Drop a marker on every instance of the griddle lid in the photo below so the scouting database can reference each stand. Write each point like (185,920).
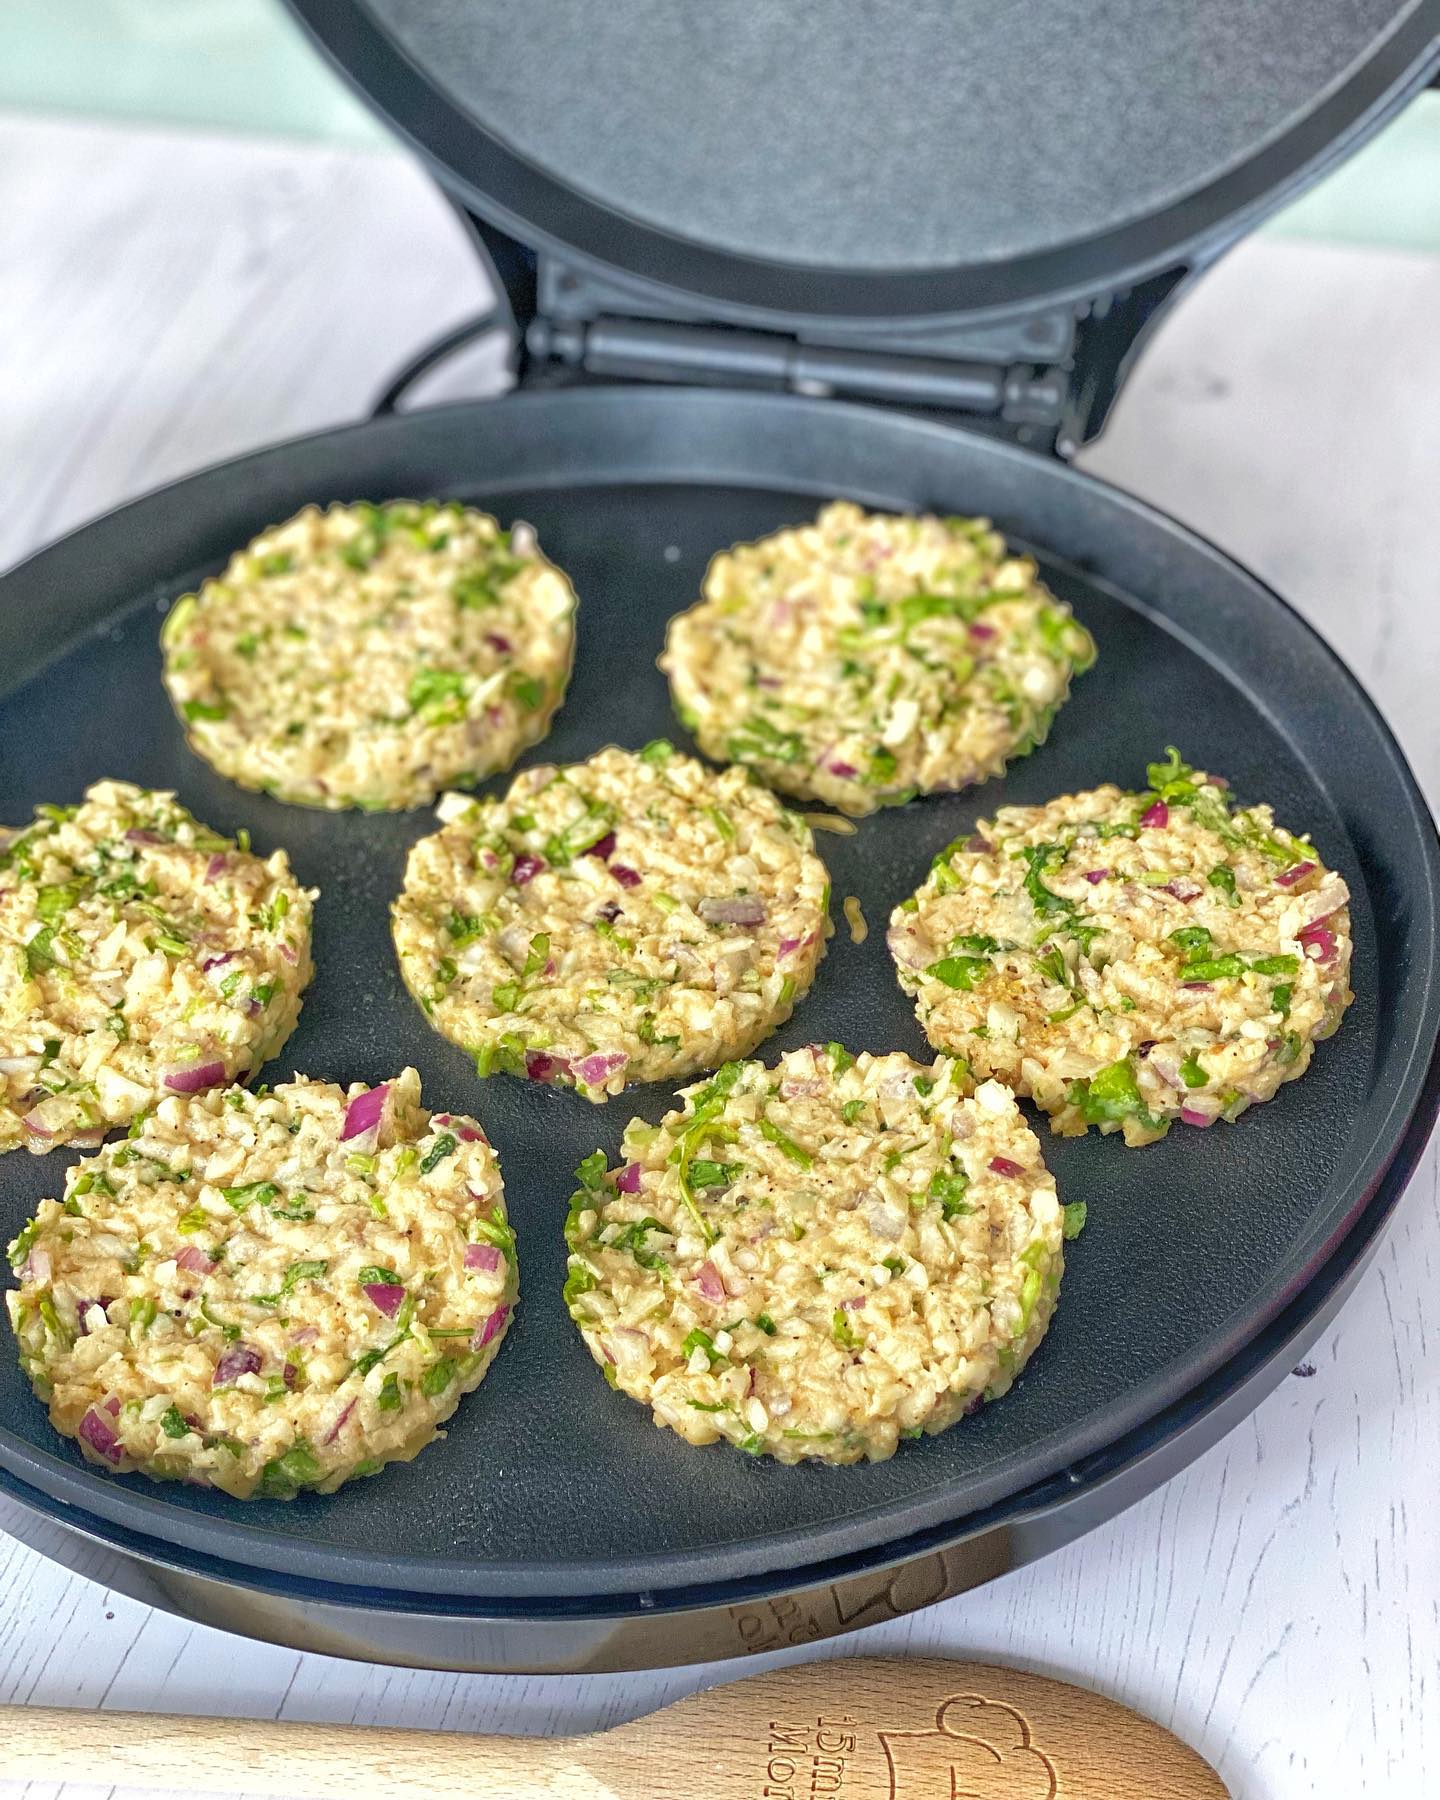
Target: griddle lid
(878,159)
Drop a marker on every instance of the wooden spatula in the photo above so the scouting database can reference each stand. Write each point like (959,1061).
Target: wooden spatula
(864,1728)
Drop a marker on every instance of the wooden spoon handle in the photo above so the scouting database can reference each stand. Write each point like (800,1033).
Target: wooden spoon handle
(328,1762)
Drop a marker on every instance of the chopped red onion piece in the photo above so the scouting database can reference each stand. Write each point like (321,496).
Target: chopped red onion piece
(144,837)
(216,866)
(307,1334)
(239,1359)
(539,1066)
(1319,944)
(1189,1116)
(628,878)
(471,1134)
(101,1439)
(787,946)
(217,962)
(609,912)
(628,1180)
(707,1279)
(364,1111)
(82,1307)
(604,848)
(498,642)
(526,868)
(193,1258)
(853,1304)
(339,1425)
(385,1296)
(1296,872)
(740,909)
(1157,816)
(982,631)
(977,845)
(482,1256)
(38,1266)
(596,1070)
(1002,1165)
(491,1326)
(290,1375)
(1196,987)
(195,1077)
(846,771)
(1183,888)
(1096,875)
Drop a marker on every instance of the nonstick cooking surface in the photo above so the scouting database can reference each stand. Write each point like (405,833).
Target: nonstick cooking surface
(547,1481)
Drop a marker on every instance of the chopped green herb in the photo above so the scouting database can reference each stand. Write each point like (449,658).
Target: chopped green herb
(253,1193)
(714,1174)
(1191,937)
(1112,1094)
(282,1478)
(786,1145)
(172,1422)
(439,694)
(949,1188)
(438,1377)
(438,1151)
(756,739)
(1213,968)
(193,710)
(1042,860)
(1275,965)
(1192,1072)
(592,1172)
(1223,877)
(702,1340)
(960,972)
(842,1331)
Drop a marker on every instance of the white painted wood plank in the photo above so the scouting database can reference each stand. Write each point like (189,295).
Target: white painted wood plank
(168,300)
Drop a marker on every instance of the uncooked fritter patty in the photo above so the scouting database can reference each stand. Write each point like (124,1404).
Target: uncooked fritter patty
(1130,959)
(265,1294)
(372,655)
(141,954)
(630,918)
(867,658)
(816,1259)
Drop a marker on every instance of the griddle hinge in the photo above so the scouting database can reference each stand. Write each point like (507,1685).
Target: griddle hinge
(1023,396)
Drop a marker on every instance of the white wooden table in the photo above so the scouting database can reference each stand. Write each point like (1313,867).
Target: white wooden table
(167,300)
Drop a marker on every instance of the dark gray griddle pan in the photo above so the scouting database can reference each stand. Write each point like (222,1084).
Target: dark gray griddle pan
(550,1489)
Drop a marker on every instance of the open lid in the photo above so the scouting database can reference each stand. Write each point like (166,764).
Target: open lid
(885,162)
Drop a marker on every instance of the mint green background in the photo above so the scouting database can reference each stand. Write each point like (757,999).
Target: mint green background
(243,65)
